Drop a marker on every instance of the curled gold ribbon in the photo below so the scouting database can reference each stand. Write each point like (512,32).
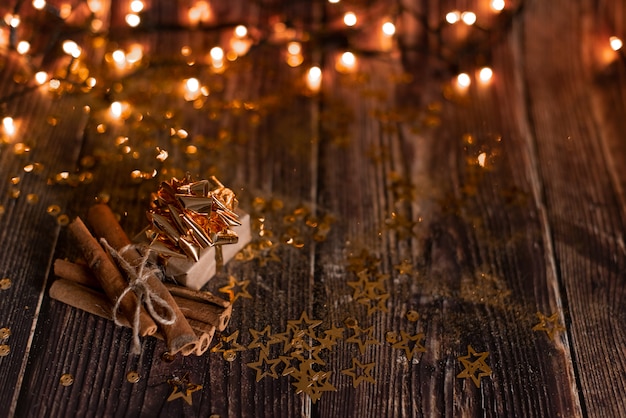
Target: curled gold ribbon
(188,216)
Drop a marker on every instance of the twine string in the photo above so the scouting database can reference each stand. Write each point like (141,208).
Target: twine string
(138,283)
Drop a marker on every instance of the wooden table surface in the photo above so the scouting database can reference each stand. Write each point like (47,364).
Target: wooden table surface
(446,251)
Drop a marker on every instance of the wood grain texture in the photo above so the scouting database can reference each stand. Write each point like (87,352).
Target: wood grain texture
(481,208)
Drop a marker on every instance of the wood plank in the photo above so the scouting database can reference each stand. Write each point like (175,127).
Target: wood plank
(582,200)
(482,209)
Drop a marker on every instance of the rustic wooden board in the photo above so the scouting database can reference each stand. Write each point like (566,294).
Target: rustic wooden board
(480,208)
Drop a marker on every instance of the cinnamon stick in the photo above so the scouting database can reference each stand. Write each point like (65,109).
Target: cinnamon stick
(204,341)
(207,313)
(84,298)
(199,295)
(76,273)
(109,277)
(179,335)
(95,302)
(193,304)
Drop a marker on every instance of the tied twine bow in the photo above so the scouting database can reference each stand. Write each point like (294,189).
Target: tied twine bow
(137,283)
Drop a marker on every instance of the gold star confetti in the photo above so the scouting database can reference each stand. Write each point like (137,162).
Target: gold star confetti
(236,289)
(360,372)
(404,268)
(182,388)
(363,261)
(377,303)
(363,337)
(311,382)
(228,346)
(264,366)
(550,324)
(401,187)
(299,333)
(330,337)
(410,344)
(403,226)
(474,362)
(263,339)
(365,287)
(303,325)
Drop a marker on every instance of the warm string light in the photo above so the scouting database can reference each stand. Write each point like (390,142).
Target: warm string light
(71,48)
(463,81)
(41,77)
(616,43)
(349,19)
(217,58)
(388,29)
(294,54)
(39,4)
(498,5)
(8,126)
(200,13)
(22,47)
(455,16)
(192,89)
(314,79)
(485,75)
(239,44)
(346,62)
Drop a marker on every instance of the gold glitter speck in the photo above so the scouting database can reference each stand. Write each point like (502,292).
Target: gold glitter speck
(5,283)
(351,322)
(5,333)
(4,350)
(53,210)
(412,316)
(132,377)
(63,220)
(32,198)
(20,148)
(391,337)
(66,379)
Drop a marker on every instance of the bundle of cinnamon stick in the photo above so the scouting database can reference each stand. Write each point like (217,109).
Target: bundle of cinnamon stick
(192,316)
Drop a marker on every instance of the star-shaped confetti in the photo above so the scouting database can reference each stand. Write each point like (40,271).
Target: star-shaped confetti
(363,337)
(474,366)
(312,382)
(228,346)
(550,324)
(263,339)
(299,333)
(363,261)
(403,226)
(182,388)
(330,337)
(236,289)
(303,325)
(368,285)
(264,366)
(410,344)
(376,303)
(401,187)
(404,268)
(360,372)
